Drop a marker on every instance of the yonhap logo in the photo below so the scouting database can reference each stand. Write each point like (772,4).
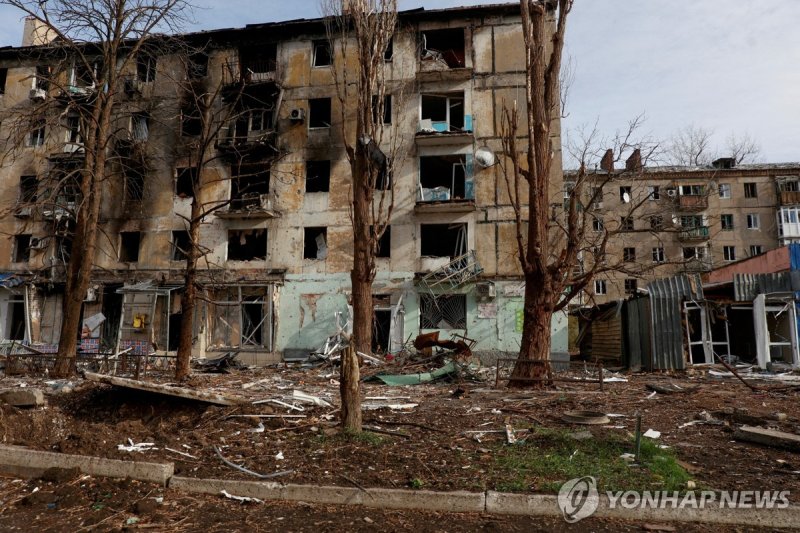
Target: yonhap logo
(578,498)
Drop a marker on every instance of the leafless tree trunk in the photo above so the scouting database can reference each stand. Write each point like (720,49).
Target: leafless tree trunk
(362,29)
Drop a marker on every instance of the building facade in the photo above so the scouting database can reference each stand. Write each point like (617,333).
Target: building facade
(278,247)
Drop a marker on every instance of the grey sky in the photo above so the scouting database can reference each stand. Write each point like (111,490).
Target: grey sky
(730,66)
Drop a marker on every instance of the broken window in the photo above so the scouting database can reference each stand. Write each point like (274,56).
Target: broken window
(73,126)
(83,75)
(694,252)
(64,237)
(751,190)
(134,184)
(241,317)
(724,190)
(319,113)
(197,65)
(42,79)
(22,250)
(385,243)
(443,240)
(15,326)
(631,284)
(181,243)
(28,186)
(318,176)
(249,185)
(387,109)
(445,178)
(445,47)
(322,53)
(656,222)
(191,121)
(443,311)
(129,242)
(625,194)
(36,135)
(247,245)
(146,67)
(249,121)
(258,60)
(756,249)
(443,113)
(629,254)
(653,192)
(3,77)
(658,255)
(597,224)
(388,54)
(315,243)
(185,182)
(140,126)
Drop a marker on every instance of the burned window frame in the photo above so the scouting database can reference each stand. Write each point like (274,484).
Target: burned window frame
(186,179)
(311,234)
(127,247)
(443,311)
(316,46)
(321,181)
(227,310)
(22,248)
(459,241)
(181,245)
(258,232)
(313,111)
(428,51)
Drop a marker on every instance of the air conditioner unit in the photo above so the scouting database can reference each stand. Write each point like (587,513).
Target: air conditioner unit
(485,291)
(37,95)
(672,192)
(297,115)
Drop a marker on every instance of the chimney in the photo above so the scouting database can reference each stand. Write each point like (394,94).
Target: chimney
(36,33)
(634,162)
(607,163)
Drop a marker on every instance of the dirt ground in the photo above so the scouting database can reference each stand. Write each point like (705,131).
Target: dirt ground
(446,436)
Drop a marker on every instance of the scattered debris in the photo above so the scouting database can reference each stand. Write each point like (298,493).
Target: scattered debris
(218,365)
(301,396)
(585,417)
(243,499)
(247,471)
(279,456)
(22,397)
(652,434)
(392,406)
(768,437)
(669,388)
(190,456)
(180,392)
(140,447)
(510,437)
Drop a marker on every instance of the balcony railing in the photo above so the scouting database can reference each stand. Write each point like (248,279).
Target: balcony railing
(692,202)
(250,72)
(699,233)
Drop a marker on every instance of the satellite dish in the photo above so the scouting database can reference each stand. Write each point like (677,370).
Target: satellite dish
(626,197)
(485,157)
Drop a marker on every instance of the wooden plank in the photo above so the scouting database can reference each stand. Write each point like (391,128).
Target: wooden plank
(768,437)
(179,392)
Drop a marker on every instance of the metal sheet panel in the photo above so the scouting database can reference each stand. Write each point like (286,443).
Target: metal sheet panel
(666,297)
(747,286)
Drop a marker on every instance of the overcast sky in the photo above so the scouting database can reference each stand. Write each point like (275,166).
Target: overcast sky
(729,66)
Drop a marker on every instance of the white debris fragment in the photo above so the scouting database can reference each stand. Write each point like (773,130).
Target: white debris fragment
(279,456)
(137,447)
(301,396)
(259,429)
(628,457)
(651,395)
(243,499)
(652,434)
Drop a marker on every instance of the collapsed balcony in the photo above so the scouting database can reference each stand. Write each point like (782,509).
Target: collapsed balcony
(443,49)
(446,184)
(250,193)
(254,65)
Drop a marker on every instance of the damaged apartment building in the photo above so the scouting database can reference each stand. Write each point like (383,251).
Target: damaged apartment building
(665,221)
(277,254)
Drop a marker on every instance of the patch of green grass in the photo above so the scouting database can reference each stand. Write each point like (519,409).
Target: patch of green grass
(549,457)
(416,483)
(364,437)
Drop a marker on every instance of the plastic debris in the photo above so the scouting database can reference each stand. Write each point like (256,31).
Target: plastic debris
(243,499)
(652,434)
(136,447)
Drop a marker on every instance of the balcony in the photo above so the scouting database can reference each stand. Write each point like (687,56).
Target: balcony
(687,202)
(789,222)
(257,144)
(249,206)
(699,233)
(790,197)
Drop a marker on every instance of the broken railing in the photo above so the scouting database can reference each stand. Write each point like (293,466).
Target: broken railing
(454,274)
(560,367)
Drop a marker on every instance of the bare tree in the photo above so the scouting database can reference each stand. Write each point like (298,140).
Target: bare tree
(742,148)
(100,40)
(362,30)
(691,146)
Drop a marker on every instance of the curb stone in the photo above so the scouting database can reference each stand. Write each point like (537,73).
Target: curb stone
(24,462)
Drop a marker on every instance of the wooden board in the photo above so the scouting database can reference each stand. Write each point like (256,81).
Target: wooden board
(179,392)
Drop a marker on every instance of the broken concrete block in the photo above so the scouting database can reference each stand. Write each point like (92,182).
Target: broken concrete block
(780,417)
(22,397)
(768,437)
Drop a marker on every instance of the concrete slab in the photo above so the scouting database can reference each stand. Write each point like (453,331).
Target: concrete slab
(22,397)
(24,462)
(156,388)
(768,437)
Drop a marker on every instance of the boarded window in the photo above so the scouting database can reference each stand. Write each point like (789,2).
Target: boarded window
(443,311)
(318,176)
(247,245)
